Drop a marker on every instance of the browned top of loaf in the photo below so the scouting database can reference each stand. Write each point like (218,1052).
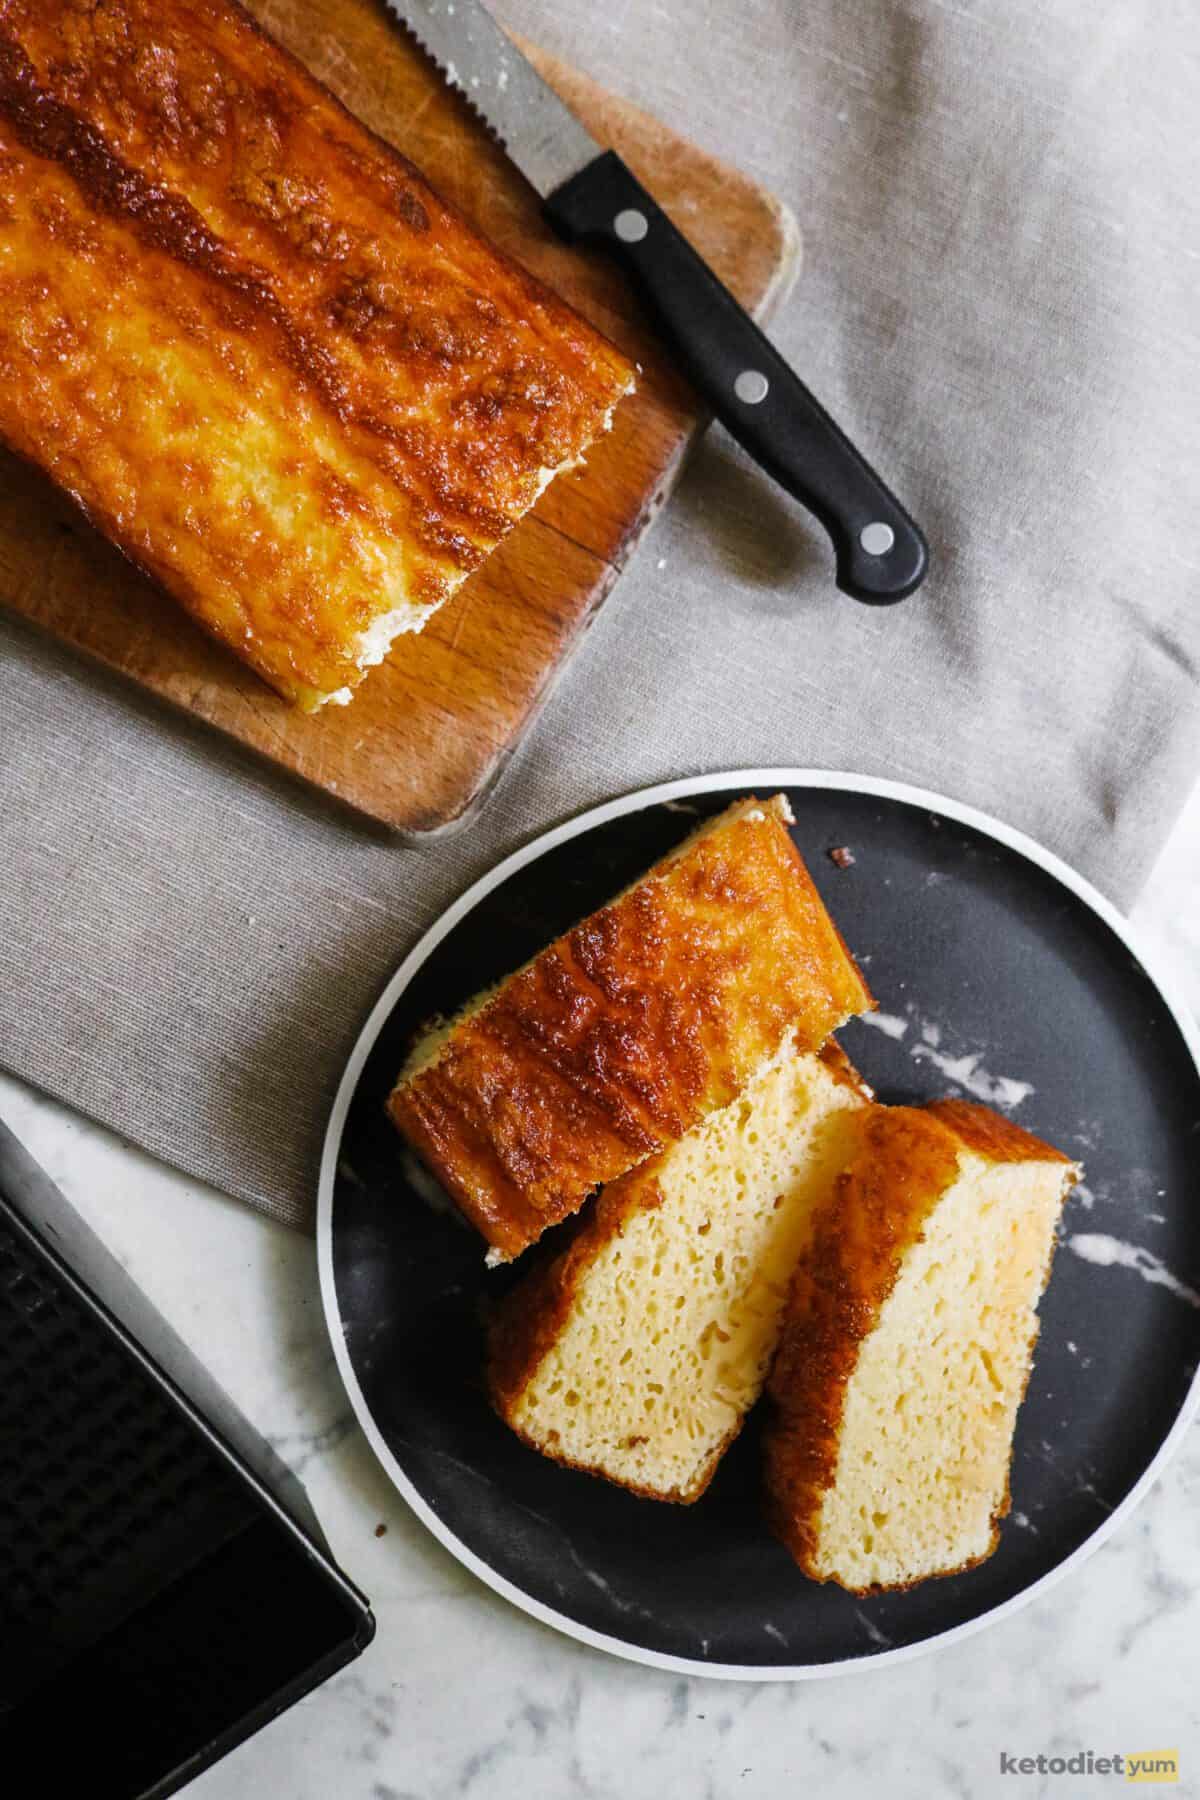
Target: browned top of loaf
(166,158)
(991,1135)
(909,1157)
(625,1032)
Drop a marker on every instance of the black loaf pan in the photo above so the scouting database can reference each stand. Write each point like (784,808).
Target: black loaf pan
(165,1589)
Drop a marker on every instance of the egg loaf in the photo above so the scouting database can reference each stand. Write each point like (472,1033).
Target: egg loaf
(623,1034)
(247,337)
(907,1346)
(635,1352)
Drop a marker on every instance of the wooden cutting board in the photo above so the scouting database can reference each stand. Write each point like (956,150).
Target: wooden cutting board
(430,728)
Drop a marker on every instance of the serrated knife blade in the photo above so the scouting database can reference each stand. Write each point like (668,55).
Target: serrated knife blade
(591,197)
(539,133)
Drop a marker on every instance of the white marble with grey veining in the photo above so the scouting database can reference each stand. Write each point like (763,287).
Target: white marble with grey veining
(462,1695)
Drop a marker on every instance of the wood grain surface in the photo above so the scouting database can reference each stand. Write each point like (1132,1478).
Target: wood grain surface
(430,728)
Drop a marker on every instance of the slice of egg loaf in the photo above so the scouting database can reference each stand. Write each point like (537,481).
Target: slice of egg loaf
(636,1351)
(907,1347)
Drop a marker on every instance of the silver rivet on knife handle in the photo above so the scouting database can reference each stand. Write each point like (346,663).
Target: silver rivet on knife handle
(631,226)
(877,539)
(752,387)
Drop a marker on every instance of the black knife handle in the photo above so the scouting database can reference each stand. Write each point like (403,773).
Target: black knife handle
(881,554)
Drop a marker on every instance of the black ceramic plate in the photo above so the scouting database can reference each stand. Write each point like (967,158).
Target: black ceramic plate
(1000,974)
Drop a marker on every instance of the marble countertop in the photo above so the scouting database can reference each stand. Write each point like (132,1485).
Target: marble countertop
(462,1695)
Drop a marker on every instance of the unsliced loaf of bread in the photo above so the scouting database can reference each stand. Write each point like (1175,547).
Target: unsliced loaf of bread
(247,338)
(628,1030)
(907,1347)
(635,1352)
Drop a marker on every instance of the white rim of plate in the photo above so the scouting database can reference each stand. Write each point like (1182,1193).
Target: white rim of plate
(747,779)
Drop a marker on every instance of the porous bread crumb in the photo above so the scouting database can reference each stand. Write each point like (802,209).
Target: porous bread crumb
(680,1276)
(924,1419)
(931,1409)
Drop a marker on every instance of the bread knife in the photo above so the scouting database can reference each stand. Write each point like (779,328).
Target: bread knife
(590,197)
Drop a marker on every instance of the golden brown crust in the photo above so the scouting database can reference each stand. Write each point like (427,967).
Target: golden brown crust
(909,1156)
(198,245)
(624,1033)
(991,1135)
(670,1496)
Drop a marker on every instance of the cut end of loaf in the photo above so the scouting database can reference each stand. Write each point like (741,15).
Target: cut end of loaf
(369,649)
(409,616)
(889,1454)
(637,1353)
